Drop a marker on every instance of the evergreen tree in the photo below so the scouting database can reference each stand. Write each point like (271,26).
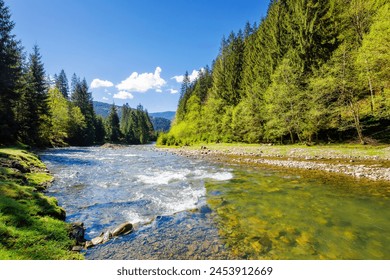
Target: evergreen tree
(74,83)
(82,98)
(33,108)
(142,125)
(311,70)
(99,129)
(184,95)
(10,73)
(113,128)
(61,82)
(127,125)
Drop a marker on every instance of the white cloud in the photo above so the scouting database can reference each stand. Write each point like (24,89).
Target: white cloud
(97,83)
(179,79)
(173,91)
(158,90)
(143,82)
(193,76)
(105,98)
(123,95)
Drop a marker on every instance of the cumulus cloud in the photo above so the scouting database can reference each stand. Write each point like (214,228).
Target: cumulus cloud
(158,90)
(123,95)
(142,82)
(173,91)
(97,83)
(193,76)
(105,98)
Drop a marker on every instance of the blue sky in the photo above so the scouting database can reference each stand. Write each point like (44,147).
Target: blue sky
(130,51)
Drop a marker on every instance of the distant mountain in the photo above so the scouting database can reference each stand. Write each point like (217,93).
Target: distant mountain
(103,109)
(161,121)
(160,124)
(166,115)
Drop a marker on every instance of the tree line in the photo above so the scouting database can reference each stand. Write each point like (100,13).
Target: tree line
(41,111)
(310,71)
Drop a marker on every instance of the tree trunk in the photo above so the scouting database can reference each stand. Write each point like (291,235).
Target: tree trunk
(355,112)
(371,88)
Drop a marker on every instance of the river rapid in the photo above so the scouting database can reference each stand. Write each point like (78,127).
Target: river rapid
(191,209)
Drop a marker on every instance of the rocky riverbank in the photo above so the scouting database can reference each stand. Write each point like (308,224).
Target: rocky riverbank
(372,164)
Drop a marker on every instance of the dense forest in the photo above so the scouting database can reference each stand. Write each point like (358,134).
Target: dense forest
(311,71)
(159,123)
(41,111)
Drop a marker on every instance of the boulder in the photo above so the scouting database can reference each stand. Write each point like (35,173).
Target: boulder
(123,229)
(77,232)
(97,240)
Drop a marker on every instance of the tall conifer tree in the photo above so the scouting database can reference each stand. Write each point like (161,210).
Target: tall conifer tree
(33,109)
(10,73)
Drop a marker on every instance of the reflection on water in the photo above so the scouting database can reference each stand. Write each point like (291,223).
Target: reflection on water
(265,215)
(245,213)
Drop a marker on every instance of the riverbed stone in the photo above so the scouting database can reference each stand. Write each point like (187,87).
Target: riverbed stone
(123,229)
(97,240)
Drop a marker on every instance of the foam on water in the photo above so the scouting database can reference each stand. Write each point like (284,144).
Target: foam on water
(164,177)
(134,184)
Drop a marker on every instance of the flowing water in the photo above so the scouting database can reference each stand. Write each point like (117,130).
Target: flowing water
(242,212)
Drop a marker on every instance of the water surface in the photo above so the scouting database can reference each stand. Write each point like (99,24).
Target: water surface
(243,212)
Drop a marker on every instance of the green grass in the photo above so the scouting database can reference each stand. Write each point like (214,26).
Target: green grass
(31,224)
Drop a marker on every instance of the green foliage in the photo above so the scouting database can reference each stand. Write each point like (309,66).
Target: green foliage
(135,125)
(32,108)
(100,131)
(113,130)
(60,118)
(311,71)
(82,98)
(10,74)
(61,83)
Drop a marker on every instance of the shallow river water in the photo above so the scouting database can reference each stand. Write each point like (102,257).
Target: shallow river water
(191,209)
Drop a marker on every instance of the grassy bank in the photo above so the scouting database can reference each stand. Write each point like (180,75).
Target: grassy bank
(31,224)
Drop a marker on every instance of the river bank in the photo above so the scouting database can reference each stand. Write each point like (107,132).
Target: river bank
(31,224)
(369,162)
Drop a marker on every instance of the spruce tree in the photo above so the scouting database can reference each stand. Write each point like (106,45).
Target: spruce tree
(61,82)
(10,73)
(33,108)
(184,95)
(82,98)
(113,131)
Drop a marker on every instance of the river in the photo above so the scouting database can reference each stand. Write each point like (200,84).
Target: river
(192,209)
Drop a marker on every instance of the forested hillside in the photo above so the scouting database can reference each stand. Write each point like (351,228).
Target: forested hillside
(161,121)
(310,71)
(41,111)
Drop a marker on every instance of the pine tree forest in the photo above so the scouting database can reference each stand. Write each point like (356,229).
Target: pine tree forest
(311,71)
(41,111)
